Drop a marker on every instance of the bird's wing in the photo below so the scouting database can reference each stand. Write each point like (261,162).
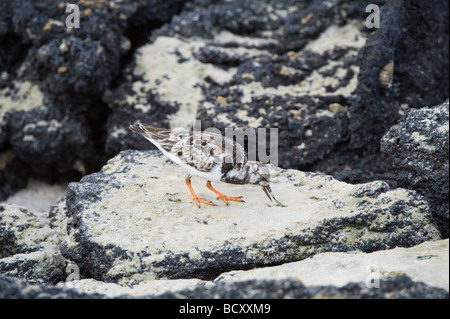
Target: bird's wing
(232,151)
(208,149)
(197,150)
(201,150)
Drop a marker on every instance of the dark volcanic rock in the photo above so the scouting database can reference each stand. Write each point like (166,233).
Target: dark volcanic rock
(310,69)
(418,147)
(50,135)
(86,59)
(276,64)
(30,244)
(398,287)
(147,107)
(417,57)
(314,71)
(52,78)
(12,288)
(13,173)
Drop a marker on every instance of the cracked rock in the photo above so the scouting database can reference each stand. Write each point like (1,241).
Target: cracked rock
(417,272)
(135,220)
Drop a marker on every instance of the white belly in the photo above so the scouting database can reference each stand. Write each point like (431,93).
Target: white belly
(215,174)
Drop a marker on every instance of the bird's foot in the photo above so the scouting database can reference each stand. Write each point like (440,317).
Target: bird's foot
(198,201)
(226,198)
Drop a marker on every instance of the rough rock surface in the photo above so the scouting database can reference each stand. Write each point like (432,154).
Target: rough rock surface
(12,288)
(13,173)
(164,235)
(37,196)
(397,287)
(427,263)
(79,60)
(290,66)
(312,70)
(416,272)
(400,287)
(30,244)
(135,219)
(52,78)
(418,148)
(396,67)
(48,134)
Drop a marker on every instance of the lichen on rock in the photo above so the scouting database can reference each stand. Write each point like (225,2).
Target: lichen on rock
(418,150)
(135,219)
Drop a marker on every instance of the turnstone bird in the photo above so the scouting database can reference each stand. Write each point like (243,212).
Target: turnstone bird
(208,155)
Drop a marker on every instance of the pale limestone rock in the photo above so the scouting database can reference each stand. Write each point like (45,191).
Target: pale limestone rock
(30,243)
(323,275)
(135,220)
(427,263)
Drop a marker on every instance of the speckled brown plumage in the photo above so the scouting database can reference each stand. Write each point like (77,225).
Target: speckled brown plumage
(208,155)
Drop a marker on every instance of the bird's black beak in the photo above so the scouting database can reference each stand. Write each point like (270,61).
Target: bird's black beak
(268,191)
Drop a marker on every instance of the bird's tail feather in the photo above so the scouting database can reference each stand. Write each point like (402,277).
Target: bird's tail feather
(158,136)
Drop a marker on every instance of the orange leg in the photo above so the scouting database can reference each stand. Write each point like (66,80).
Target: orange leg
(225,198)
(197,200)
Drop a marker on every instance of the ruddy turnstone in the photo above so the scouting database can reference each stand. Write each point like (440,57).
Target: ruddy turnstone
(208,155)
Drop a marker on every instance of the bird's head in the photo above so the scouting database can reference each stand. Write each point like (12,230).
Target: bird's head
(260,175)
